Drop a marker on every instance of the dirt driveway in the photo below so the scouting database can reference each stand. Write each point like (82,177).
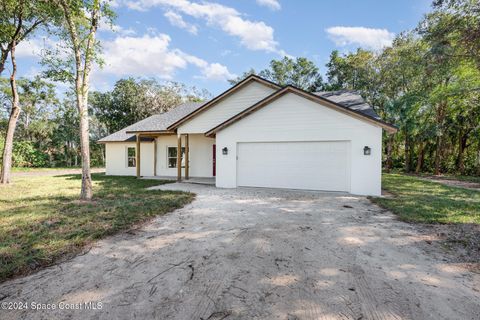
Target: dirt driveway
(258,254)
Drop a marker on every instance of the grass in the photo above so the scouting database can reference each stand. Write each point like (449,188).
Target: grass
(417,200)
(446,176)
(42,220)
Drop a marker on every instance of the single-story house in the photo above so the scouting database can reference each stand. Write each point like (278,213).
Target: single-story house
(259,134)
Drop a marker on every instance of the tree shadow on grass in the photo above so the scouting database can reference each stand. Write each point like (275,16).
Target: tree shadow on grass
(40,229)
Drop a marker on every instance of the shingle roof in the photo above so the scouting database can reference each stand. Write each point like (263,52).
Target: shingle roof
(160,122)
(157,122)
(351,100)
(343,101)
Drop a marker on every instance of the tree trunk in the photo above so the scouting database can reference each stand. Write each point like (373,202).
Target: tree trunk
(3,59)
(478,160)
(438,155)
(407,152)
(103,154)
(86,191)
(83,66)
(12,123)
(440,117)
(421,155)
(462,144)
(389,164)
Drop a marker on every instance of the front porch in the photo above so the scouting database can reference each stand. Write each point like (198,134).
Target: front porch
(169,156)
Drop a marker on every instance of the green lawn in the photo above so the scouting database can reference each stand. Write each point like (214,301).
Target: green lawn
(429,202)
(42,220)
(474,179)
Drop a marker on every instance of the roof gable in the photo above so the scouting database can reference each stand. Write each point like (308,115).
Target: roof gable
(222,96)
(315,98)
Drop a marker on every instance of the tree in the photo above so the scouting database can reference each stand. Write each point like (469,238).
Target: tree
(12,123)
(242,76)
(18,20)
(37,99)
(65,137)
(78,30)
(352,71)
(300,72)
(455,22)
(132,100)
(427,83)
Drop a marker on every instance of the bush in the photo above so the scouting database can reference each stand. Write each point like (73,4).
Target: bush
(25,154)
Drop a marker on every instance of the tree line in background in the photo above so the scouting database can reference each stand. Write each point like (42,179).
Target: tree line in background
(427,83)
(47,133)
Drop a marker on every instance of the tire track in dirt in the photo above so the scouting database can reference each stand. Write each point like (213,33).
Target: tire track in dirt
(378,300)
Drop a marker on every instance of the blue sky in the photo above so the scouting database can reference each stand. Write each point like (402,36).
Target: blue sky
(203,43)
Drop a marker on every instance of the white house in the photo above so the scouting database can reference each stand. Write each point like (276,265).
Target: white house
(259,134)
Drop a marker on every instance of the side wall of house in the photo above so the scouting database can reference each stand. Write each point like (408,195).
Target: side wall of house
(116,159)
(293,118)
(227,108)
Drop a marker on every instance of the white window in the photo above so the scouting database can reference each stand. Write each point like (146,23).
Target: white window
(131,157)
(172,157)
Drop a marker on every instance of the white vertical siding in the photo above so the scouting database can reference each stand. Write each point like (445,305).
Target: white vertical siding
(227,108)
(201,155)
(293,118)
(116,159)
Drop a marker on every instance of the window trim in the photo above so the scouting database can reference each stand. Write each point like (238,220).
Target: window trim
(182,159)
(134,157)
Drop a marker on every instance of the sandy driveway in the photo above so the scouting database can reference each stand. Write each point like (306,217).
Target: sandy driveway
(258,254)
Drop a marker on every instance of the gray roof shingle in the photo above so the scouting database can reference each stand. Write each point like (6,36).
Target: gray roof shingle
(157,122)
(351,100)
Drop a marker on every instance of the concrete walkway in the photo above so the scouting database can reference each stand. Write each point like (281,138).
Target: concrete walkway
(257,254)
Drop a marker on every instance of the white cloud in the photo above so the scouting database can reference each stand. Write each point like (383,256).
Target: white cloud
(31,48)
(177,20)
(36,47)
(106,27)
(217,71)
(254,35)
(361,36)
(272,4)
(151,55)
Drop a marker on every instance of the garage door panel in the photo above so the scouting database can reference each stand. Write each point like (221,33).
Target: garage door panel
(319,165)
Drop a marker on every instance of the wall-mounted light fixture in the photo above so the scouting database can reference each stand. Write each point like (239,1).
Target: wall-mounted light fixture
(225,150)
(367,151)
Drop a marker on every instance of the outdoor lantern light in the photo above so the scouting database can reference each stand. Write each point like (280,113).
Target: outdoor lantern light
(225,150)
(367,151)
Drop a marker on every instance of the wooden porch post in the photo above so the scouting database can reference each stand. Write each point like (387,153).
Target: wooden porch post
(179,158)
(154,156)
(187,166)
(137,156)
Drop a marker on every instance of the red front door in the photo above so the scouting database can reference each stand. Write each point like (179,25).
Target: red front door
(214,159)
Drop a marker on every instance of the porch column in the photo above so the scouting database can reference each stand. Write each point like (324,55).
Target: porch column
(179,158)
(187,166)
(154,156)
(137,156)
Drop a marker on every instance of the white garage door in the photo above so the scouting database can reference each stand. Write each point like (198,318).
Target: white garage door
(318,165)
